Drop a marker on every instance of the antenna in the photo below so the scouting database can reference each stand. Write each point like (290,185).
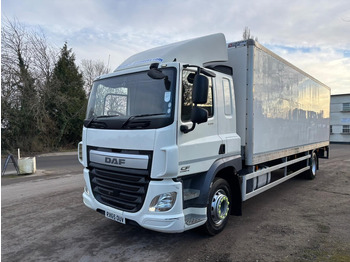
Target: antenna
(109,57)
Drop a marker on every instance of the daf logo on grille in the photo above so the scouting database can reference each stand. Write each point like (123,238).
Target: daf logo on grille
(134,161)
(115,161)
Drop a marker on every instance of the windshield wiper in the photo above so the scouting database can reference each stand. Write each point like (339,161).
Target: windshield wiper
(137,116)
(93,119)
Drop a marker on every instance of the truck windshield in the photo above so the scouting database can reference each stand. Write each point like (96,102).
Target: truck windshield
(132,101)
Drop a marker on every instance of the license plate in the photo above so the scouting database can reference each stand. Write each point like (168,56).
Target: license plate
(115,217)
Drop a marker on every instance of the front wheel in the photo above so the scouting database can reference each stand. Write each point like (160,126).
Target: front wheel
(218,208)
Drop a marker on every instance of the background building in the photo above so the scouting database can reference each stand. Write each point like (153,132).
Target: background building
(340,118)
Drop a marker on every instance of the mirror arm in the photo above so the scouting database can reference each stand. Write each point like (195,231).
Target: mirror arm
(201,70)
(167,83)
(184,129)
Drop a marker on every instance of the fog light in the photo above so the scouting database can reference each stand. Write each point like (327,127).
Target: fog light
(80,153)
(163,202)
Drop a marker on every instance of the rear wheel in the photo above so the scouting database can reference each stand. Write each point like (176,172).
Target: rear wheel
(218,209)
(311,173)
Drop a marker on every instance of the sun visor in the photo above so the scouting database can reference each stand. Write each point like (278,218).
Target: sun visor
(197,51)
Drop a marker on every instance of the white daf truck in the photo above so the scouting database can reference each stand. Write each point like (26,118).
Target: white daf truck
(178,136)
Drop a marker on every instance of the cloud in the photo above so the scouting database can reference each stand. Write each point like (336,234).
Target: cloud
(312,35)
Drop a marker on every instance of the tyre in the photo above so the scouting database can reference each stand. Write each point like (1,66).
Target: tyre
(218,209)
(311,173)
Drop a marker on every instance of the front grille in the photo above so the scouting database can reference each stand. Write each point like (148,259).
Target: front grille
(121,188)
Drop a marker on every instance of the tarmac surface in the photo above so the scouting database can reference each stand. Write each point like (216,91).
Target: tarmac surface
(43,218)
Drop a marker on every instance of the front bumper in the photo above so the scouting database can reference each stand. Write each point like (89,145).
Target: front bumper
(172,221)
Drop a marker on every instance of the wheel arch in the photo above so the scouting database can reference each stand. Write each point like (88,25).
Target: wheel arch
(225,168)
(235,183)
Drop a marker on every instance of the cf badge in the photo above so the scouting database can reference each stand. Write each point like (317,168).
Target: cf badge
(185,169)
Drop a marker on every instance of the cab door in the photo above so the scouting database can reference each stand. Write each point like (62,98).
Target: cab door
(199,148)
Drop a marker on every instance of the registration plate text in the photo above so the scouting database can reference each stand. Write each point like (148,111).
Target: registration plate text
(115,217)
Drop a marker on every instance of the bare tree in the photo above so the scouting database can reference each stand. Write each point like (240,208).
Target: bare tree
(92,69)
(247,35)
(36,96)
(27,62)
(45,55)
(19,98)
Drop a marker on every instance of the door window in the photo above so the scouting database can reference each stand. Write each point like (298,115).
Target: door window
(187,104)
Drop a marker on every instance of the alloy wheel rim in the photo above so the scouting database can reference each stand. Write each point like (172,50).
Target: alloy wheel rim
(220,206)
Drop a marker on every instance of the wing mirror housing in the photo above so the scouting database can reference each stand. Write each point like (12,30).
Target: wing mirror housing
(156,73)
(199,96)
(199,115)
(200,89)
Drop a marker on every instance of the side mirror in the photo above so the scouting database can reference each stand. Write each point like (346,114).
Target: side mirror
(199,96)
(199,115)
(155,73)
(200,89)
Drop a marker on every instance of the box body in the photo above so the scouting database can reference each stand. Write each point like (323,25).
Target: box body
(281,110)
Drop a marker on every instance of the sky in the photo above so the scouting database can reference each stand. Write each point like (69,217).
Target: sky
(313,35)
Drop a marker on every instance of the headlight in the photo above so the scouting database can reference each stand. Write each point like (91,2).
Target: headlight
(163,202)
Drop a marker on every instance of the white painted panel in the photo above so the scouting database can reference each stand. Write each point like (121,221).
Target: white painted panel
(195,51)
(238,61)
(121,139)
(290,108)
(279,107)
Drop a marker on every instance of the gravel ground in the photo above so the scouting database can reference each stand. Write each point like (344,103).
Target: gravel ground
(44,219)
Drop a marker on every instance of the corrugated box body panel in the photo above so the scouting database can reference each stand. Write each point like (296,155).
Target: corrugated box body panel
(282,109)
